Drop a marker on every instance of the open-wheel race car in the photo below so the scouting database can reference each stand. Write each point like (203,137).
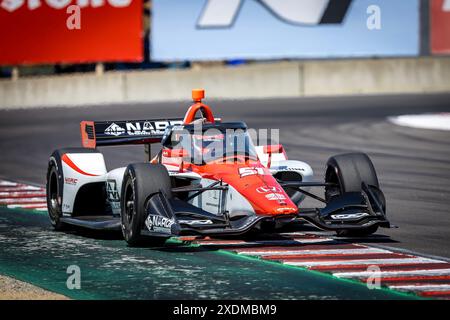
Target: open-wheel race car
(208,179)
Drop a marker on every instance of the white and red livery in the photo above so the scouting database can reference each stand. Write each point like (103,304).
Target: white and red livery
(208,179)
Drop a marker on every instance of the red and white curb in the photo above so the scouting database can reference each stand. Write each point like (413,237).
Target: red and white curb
(17,195)
(405,272)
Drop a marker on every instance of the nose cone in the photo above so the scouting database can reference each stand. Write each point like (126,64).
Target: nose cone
(283,209)
(269,199)
(261,189)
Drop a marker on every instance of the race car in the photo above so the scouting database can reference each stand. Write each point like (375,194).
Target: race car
(207,179)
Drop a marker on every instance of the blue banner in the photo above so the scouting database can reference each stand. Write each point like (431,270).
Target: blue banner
(282,29)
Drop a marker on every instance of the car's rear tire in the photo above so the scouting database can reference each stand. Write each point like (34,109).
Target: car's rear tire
(139,182)
(54,196)
(348,171)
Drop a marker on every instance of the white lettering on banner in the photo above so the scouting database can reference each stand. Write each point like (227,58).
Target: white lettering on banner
(13,5)
(34,4)
(222,13)
(119,3)
(446,6)
(93,3)
(58,4)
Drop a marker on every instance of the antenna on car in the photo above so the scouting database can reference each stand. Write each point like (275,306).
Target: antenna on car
(198,95)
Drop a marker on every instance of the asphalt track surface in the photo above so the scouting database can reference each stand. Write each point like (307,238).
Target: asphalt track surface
(413,164)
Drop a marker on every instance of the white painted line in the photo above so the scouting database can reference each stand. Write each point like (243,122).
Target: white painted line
(241,243)
(288,252)
(22,201)
(7,183)
(385,274)
(263,242)
(424,287)
(293,234)
(377,262)
(21,193)
(312,241)
(21,188)
(222,243)
(439,121)
(38,205)
(300,236)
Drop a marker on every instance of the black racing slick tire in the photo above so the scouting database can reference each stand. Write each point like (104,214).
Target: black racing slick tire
(54,195)
(348,171)
(140,181)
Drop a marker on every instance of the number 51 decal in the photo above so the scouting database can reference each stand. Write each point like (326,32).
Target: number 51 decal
(243,172)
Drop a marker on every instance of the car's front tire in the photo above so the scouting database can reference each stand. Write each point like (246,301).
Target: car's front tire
(348,171)
(140,181)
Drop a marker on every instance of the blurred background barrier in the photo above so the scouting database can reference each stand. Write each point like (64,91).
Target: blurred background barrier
(67,31)
(79,52)
(440,26)
(253,81)
(279,29)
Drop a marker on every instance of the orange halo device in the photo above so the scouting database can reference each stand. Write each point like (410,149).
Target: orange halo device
(198,95)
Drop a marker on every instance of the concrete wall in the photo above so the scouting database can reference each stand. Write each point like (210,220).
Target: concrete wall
(253,81)
(350,77)
(269,80)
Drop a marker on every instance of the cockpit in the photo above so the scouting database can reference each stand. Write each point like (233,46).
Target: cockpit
(205,143)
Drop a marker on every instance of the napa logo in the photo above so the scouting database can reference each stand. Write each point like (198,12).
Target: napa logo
(160,224)
(114,130)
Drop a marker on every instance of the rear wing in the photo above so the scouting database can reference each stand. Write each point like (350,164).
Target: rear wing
(110,133)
